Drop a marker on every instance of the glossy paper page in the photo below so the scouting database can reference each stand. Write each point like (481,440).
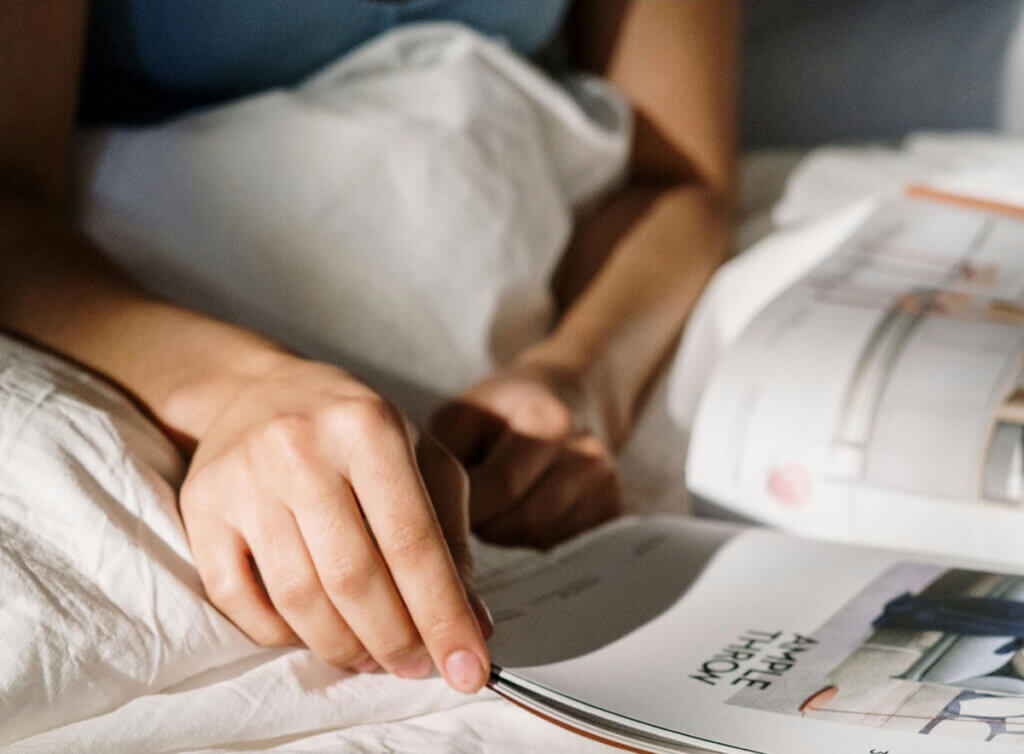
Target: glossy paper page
(760,642)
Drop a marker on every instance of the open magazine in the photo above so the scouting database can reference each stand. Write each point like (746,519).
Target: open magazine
(880,399)
(677,634)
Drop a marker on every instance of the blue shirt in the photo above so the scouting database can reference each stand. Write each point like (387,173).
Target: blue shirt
(814,70)
(147,60)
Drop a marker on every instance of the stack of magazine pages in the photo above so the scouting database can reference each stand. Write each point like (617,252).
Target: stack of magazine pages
(880,401)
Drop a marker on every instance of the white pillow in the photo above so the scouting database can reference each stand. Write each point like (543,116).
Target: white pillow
(403,210)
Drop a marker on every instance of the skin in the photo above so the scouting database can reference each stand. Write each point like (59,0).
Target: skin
(316,514)
(537,437)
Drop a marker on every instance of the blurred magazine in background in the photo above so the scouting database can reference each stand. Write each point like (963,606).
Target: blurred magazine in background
(880,399)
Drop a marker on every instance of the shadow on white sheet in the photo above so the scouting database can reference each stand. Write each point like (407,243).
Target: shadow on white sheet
(109,643)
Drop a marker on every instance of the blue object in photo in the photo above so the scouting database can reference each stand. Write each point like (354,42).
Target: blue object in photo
(969,616)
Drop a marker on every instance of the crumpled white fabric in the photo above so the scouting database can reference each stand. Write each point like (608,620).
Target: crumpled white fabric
(108,644)
(100,600)
(432,156)
(402,210)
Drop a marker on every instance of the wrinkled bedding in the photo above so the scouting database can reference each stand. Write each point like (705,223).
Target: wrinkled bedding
(109,644)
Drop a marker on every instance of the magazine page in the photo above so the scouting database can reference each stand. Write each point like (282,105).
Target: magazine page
(749,640)
(880,399)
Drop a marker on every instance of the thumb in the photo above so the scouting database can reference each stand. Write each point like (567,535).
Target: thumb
(448,487)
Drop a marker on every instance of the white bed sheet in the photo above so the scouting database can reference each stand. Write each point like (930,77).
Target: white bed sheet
(295,211)
(108,642)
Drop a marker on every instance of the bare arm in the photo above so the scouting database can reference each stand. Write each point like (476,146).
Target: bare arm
(536,436)
(297,467)
(636,267)
(56,289)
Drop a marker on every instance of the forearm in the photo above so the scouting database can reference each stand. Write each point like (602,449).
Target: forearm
(625,316)
(57,291)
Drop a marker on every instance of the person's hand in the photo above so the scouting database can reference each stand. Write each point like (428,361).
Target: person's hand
(312,519)
(536,476)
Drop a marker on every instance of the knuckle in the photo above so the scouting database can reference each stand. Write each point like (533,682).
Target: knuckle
(289,438)
(589,451)
(376,414)
(591,446)
(409,542)
(200,490)
(349,576)
(444,625)
(294,595)
(395,650)
(342,655)
(272,634)
(365,420)
(543,416)
(222,587)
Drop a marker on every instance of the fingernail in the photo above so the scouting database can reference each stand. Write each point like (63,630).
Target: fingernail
(464,671)
(419,668)
(482,613)
(369,665)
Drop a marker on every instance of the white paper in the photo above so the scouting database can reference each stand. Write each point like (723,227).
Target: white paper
(768,646)
(862,403)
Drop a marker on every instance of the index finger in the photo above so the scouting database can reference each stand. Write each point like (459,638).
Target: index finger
(383,473)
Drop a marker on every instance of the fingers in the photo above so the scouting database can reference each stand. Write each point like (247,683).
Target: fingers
(391,493)
(577,492)
(354,576)
(222,559)
(513,466)
(295,590)
(315,477)
(467,431)
(599,504)
(448,487)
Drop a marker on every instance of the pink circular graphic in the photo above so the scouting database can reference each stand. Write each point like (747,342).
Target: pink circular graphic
(790,484)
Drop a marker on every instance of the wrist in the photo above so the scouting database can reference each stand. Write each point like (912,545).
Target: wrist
(556,356)
(195,400)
